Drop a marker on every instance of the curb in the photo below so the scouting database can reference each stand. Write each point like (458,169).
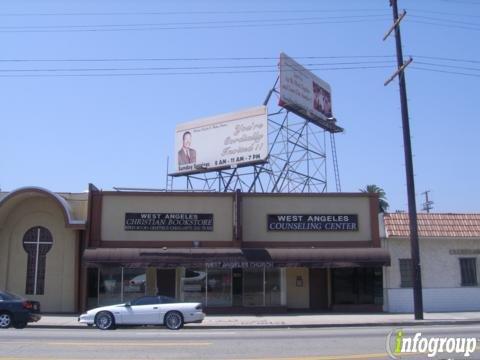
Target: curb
(287,326)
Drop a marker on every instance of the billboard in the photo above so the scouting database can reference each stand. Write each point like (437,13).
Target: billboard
(305,94)
(222,141)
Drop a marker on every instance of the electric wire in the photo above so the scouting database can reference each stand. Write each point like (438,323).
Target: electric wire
(189,73)
(187,68)
(448,66)
(444,20)
(445,25)
(415,10)
(445,71)
(200,27)
(20,27)
(214,12)
(195,59)
(238,58)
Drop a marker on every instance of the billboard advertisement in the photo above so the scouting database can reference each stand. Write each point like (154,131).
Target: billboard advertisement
(304,93)
(222,141)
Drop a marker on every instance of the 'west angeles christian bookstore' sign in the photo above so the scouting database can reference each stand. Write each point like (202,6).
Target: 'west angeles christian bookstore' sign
(168,222)
(309,222)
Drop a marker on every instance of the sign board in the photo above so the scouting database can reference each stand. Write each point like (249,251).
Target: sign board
(311,222)
(168,222)
(224,141)
(464,251)
(235,264)
(305,94)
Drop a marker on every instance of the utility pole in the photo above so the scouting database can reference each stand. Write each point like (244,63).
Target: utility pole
(428,204)
(412,208)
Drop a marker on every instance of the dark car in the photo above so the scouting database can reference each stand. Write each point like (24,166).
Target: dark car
(16,311)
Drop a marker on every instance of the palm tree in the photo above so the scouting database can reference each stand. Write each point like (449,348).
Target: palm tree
(382,197)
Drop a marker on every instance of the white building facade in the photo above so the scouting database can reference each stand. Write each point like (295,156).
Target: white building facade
(449,258)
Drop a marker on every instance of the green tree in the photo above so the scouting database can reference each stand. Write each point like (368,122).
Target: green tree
(382,197)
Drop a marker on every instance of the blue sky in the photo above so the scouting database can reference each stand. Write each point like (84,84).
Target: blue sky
(63,132)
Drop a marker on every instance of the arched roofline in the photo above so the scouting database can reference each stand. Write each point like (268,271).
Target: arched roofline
(64,206)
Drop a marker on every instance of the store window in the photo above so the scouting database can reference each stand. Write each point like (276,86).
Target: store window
(253,281)
(134,283)
(357,286)
(468,270)
(37,242)
(272,287)
(92,287)
(193,284)
(110,286)
(219,287)
(406,273)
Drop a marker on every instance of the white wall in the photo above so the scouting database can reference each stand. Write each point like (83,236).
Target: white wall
(441,277)
(436,300)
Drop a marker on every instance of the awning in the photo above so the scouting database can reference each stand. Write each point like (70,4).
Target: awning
(238,258)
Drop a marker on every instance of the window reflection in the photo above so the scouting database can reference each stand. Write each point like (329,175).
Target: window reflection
(272,287)
(134,283)
(193,285)
(110,289)
(253,287)
(219,287)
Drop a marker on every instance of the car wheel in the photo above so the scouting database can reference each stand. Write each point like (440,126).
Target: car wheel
(173,320)
(5,320)
(20,325)
(104,320)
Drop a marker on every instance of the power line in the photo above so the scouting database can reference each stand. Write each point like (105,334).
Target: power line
(186,68)
(441,13)
(445,71)
(444,20)
(237,58)
(445,25)
(462,2)
(196,58)
(192,12)
(447,66)
(447,59)
(20,27)
(187,73)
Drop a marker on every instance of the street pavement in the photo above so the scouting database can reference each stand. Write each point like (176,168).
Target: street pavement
(296,320)
(335,343)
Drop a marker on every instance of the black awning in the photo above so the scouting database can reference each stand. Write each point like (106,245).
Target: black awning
(238,258)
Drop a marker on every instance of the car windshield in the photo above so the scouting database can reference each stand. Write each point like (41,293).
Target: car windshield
(151,300)
(9,296)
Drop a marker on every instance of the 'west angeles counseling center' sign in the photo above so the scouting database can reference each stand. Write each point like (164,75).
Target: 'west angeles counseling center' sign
(311,222)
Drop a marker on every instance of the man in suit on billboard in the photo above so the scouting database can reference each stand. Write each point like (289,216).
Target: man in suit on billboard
(187,155)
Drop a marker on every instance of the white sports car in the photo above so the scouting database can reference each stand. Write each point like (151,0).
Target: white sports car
(146,310)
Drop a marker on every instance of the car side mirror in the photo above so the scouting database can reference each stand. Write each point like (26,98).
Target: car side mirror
(128,304)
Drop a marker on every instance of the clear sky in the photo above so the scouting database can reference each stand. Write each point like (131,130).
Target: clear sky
(111,120)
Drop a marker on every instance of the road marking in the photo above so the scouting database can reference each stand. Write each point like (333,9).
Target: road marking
(332,357)
(102,343)
(180,334)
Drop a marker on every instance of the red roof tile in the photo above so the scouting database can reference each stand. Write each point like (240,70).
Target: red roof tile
(434,225)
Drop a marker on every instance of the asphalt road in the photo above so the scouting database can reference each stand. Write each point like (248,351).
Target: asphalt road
(158,343)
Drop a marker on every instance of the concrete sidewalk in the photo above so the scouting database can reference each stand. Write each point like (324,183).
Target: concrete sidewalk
(295,320)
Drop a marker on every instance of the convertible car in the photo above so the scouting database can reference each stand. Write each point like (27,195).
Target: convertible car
(146,310)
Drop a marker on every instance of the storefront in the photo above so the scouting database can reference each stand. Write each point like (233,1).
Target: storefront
(235,252)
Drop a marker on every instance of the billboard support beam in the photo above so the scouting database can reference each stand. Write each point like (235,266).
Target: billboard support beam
(267,99)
